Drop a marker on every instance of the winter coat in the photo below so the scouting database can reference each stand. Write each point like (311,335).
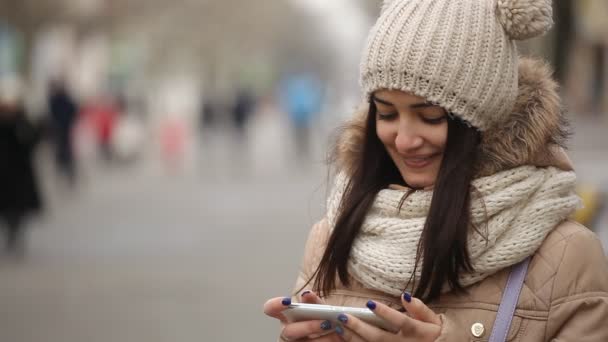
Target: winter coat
(565,293)
(564,298)
(19,192)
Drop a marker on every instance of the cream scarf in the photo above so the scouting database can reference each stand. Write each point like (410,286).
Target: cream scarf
(521,207)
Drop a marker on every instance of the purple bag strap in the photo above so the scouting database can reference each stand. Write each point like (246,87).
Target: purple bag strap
(509,302)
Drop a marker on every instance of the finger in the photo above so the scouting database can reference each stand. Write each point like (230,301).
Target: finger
(401,322)
(273,307)
(311,298)
(367,332)
(392,316)
(418,310)
(328,337)
(348,335)
(297,330)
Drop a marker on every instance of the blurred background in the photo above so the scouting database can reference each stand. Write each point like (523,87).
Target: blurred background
(171,155)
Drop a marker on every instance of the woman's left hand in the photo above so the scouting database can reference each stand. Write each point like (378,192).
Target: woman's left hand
(422,324)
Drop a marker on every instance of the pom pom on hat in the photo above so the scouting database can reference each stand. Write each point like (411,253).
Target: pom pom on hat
(524,19)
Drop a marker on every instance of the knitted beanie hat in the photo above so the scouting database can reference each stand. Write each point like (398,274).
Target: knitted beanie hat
(459,54)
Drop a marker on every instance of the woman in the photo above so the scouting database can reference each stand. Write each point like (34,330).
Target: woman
(451,178)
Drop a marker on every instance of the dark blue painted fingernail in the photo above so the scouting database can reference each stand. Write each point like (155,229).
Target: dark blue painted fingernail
(339,330)
(407,297)
(305,293)
(326,325)
(371,305)
(342,318)
(286,301)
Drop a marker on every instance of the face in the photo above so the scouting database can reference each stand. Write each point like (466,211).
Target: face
(414,133)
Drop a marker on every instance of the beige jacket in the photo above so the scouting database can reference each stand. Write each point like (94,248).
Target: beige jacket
(564,298)
(565,295)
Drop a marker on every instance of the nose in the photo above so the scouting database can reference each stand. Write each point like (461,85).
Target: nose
(407,139)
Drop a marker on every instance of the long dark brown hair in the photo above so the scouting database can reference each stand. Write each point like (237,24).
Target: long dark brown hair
(442,249)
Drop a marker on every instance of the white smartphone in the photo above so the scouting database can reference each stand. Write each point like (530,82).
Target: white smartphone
(297,312)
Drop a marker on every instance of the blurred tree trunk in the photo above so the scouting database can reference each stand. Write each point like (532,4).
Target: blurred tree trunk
(562,37)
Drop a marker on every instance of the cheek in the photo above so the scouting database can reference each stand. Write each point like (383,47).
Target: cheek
(385,133)
(439,137)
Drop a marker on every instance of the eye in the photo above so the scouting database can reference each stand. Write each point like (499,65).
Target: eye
(434,121)
(433,115)
(387,116)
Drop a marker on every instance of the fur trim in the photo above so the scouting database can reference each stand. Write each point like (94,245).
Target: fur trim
(537,125)
(533,134)
(349,145)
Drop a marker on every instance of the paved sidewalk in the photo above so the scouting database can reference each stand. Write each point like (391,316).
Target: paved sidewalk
(136,254)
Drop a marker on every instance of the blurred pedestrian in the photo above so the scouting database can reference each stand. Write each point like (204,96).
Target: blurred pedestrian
(19,192)
(244,105)
(301,96)
(100,115)
(128,138)
(173,141)
(208,114)
(449,214)
(63,110)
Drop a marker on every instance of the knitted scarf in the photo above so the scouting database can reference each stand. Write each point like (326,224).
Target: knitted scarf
(519,207)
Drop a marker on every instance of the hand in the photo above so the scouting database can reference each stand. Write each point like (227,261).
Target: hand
(422,324)
(314,330)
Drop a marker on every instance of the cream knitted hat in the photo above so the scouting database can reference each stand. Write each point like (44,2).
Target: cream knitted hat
(459,54)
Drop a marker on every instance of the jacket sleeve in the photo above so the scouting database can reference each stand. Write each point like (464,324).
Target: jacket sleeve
(579,300)
(313,252)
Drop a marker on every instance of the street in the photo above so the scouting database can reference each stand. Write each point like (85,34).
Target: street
(140,253)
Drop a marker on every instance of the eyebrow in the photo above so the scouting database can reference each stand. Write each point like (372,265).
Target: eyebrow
(413,106)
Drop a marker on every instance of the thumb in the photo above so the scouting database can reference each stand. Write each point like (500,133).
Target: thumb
(418,310)
(275,306)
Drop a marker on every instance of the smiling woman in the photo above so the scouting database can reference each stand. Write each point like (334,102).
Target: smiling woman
(449,177)
(413,132)
(409,145)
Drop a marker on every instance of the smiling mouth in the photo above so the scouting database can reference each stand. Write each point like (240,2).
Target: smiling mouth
(419,162)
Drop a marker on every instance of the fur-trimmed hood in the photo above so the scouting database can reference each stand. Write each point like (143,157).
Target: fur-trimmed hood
(533,134)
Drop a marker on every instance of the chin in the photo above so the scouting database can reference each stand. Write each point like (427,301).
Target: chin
(418,182)
(418,186)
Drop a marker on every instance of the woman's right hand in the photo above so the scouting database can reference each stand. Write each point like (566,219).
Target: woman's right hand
(314,330)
